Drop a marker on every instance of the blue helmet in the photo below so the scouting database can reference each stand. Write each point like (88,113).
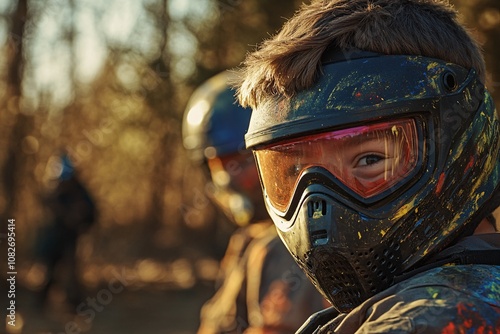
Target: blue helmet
(214,123)
(213,132)
(67,168)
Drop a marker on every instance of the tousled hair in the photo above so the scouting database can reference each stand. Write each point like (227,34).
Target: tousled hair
(291,60)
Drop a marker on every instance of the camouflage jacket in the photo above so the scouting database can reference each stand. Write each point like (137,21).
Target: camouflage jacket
(262,290)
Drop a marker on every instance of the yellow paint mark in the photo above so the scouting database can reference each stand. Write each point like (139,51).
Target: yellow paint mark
(432,65)
(359,235)
(317,215)
(403,211)
(495,287)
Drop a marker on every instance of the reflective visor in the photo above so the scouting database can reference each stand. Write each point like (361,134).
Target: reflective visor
(368,159)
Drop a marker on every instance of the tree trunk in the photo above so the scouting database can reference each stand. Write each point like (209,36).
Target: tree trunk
(15,159)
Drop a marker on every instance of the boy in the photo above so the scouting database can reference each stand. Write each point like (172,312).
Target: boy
(377,146)
(261,290)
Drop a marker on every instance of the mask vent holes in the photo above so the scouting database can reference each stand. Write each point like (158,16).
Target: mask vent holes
(316,208)
(449,81)
(339,281)
(320,234)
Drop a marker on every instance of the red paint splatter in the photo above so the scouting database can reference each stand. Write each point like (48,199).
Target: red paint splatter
(449,329)
(470,320)
(470,164)
(440,182)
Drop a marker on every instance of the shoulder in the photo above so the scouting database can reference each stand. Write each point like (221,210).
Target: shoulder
(243,237)
(446,299)
(474,281)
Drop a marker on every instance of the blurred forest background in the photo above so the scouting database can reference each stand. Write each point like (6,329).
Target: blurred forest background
(108,82)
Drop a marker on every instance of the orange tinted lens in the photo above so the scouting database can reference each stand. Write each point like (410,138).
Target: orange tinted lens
(367,159)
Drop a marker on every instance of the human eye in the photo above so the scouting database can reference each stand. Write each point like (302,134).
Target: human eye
(370,166)
(369,160)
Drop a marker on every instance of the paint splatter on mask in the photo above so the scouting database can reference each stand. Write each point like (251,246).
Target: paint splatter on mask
(431,177)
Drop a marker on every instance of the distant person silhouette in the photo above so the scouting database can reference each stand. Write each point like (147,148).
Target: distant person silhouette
(71,212)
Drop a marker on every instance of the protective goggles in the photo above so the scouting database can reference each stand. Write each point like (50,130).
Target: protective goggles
(367,159)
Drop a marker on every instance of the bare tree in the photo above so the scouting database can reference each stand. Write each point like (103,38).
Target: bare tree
(15,160)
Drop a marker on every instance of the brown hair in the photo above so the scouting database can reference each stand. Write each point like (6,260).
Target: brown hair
(291,61)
